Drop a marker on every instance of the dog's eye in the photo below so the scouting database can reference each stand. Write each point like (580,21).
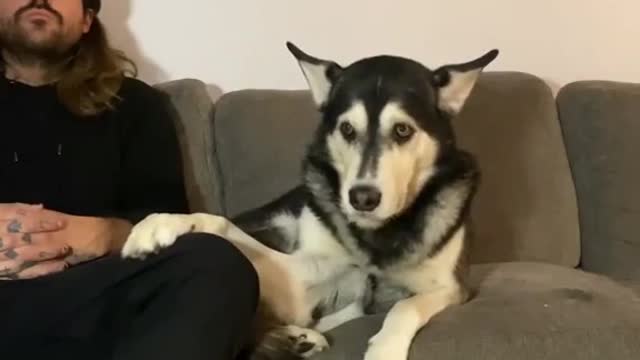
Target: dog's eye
(347,131)
(402,132)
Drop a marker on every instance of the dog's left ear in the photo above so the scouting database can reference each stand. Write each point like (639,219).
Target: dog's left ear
(320,74)
(455,82)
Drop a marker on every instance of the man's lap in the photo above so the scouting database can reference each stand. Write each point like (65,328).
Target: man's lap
(82,300)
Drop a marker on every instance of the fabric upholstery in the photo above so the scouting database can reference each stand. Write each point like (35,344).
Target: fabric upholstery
(260,139)
(526,207)
(601,121)
(521,311)
(193,115)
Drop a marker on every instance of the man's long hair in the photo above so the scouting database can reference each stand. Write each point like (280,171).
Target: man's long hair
(90,82)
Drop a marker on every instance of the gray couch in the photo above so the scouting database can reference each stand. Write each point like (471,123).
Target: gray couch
(556,247)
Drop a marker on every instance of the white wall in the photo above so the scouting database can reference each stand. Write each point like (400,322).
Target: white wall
(238,44)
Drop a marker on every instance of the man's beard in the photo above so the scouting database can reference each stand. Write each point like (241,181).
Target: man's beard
(17,40)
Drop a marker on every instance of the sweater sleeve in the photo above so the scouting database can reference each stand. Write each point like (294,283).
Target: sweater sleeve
(151,180)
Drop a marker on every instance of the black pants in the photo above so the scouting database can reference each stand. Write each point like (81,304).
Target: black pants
(195,300)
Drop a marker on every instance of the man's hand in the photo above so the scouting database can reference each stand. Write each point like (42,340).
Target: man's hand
(92,237)
(28,245)
(36,241)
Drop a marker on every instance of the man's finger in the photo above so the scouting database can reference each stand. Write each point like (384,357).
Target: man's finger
(31,223)
(10,210)
(11,268)
(37,253)
(42,269)
(22,260)
(9,240)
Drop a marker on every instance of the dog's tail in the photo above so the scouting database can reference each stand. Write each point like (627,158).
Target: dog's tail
(289,342)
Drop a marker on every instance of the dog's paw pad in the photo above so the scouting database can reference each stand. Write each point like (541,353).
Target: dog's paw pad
(306,342)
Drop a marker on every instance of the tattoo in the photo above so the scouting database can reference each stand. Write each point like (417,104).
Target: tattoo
(27,264)
(12,274)
(14,226)
(27,238)
(1,244)
(11,254)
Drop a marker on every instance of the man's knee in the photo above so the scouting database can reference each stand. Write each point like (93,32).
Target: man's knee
(210,252)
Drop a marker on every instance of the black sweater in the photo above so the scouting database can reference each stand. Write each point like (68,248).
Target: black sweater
(124,163)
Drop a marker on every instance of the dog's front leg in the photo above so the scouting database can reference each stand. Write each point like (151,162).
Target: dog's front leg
(159,231)
(401,324)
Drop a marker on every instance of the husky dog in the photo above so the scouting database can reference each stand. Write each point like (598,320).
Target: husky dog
(378,223)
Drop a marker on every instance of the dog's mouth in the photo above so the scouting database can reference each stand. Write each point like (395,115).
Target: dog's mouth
(365,220)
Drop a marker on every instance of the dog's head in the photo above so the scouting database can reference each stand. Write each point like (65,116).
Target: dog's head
(386,124)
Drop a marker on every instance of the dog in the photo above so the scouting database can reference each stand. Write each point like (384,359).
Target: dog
(379,222)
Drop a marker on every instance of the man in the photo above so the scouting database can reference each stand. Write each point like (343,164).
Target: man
(85,153)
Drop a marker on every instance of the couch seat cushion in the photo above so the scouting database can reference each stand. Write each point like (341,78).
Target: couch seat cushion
(520,311)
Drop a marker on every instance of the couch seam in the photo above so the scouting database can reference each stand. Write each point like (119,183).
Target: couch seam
(563,135)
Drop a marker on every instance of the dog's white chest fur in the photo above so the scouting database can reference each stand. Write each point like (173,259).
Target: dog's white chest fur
(316,238)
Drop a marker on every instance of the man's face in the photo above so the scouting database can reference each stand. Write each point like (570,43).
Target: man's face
(42,28)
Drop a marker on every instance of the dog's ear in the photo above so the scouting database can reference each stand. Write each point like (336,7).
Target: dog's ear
(320,74)
(455,82)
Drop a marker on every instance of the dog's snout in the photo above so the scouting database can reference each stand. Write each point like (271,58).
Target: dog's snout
(364,198)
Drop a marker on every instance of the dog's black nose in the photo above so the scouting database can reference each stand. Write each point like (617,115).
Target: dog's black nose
(364,198)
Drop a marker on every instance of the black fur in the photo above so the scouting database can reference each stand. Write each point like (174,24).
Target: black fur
(257,222)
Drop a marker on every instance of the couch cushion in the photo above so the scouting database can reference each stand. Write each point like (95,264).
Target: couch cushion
(193,115)
(521,311)
(526,206)
(260,137)
(601,121)
(525,209)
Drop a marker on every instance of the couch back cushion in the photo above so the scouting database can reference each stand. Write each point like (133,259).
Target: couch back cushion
(191,108)
(601,122)
(525,208)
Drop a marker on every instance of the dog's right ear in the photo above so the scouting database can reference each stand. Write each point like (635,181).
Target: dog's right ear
(320,74)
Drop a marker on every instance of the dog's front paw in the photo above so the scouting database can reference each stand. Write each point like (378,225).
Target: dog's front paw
(387,348)
(155,232)
(291,342)
(305,343)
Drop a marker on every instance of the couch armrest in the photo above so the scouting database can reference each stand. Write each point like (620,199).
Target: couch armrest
(193,111)
(600,121)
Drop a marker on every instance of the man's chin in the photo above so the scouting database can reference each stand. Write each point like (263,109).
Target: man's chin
(36,45)
(40,37)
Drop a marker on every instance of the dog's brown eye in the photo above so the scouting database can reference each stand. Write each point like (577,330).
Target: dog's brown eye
(402,132)
(347,131)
